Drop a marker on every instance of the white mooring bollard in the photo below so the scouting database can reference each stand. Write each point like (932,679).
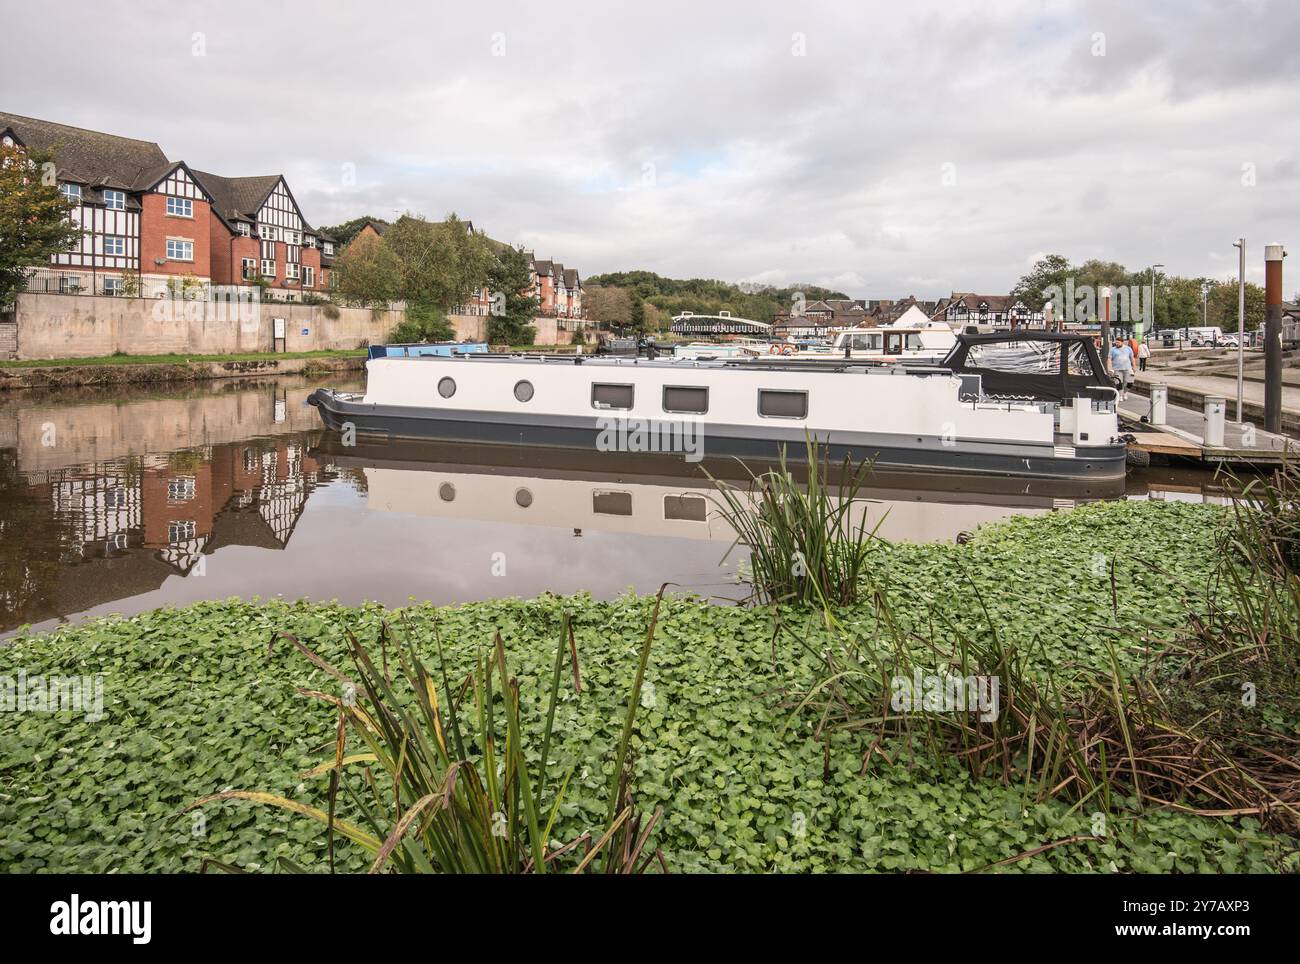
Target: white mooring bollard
(1216,409)
(1159,403)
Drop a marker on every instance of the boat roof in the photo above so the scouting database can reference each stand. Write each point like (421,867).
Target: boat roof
(1023,334)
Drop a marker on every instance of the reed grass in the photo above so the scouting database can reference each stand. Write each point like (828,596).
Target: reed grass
(1208,723)
(804,544)
(441,779)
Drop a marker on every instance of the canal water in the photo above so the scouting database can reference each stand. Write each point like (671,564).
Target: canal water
(125,500)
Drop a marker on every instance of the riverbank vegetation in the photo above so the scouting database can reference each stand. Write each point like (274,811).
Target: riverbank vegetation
(124,359)
(750,772)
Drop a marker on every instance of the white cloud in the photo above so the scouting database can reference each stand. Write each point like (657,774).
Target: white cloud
(687,139)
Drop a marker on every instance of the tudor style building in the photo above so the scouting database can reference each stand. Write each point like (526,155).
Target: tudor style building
(996,311)
(151,226)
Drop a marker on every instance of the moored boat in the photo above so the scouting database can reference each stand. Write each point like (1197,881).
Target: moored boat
(1021,404)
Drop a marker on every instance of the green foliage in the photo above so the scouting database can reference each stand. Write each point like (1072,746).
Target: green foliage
(423,323)
(1049,270)
(702,296)
(34,221)
(513,301)
(462,792)
(194,706)
(369,271)
(441,263)
(807,540)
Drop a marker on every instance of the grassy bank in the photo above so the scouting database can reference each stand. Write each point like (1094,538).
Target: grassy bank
(177,359)
(195,705)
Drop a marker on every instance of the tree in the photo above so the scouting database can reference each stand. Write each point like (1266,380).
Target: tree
(34,221)
(510,293)
(1222,306)
(607,303)
(368,270)
(1052,269)
(442,263)
(637,321)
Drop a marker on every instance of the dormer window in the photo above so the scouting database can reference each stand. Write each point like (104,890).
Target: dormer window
(71,191)
(115,200)
(244,229)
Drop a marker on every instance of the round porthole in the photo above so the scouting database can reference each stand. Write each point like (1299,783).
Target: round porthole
(523,498)
(523,391)
(446,387)
(447,492)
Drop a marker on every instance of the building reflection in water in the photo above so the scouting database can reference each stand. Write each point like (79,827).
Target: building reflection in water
(141,490)
(120,528)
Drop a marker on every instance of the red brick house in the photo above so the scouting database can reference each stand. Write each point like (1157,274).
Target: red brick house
(153,226)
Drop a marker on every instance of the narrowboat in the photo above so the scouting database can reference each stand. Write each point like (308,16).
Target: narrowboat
(1026,404)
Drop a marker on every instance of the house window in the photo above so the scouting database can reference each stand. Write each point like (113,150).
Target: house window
(684,400)
(308,276)
(182,531)
(292,237)
(180,207)
(115,200)
(268,268)
(180,489)
(291,270)
(244,229)
(329,247)
(267,232)
(114,244)
(71,191)
(309,242)
(247,268)
(611,396)
(112,286)
(780,404)
(178,250)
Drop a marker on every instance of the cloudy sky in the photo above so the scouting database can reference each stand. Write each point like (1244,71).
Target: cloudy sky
(884,149)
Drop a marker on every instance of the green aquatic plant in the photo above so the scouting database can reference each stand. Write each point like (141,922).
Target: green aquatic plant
(460,790)
(807,540)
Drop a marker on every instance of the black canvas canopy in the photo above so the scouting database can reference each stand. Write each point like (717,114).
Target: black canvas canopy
(1045,365)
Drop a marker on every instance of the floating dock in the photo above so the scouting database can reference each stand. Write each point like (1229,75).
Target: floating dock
(1183,434)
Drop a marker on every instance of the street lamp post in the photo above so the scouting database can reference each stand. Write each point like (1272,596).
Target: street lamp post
(1153,296)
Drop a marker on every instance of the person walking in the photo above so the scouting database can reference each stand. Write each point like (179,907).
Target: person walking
(1144,352)
(1121,366)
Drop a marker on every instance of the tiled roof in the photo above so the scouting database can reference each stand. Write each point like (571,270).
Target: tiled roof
(90,157)
(237,198)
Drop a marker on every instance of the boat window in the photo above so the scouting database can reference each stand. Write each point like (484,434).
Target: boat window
(524,391)
(1077,359)
(687,508)
(523,498)
(686,399)
(447,492)
(1020,357)
(913,341)
(782,404)
(446,387)
(610,396)
(611,503)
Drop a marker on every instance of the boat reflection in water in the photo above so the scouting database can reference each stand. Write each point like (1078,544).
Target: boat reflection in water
(660,495)
(122,501)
